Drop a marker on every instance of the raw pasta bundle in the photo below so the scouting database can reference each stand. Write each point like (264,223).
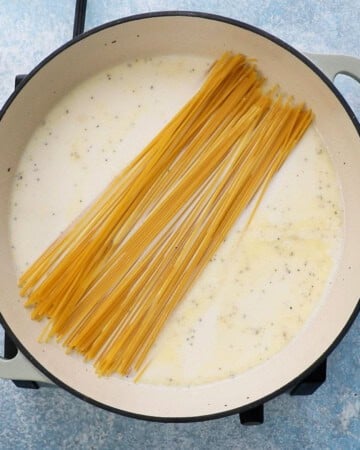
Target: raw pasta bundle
(109,282)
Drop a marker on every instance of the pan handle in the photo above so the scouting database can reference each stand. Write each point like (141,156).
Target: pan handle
(332,65)
(19,368)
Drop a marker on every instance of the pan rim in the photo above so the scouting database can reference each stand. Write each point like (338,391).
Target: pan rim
(285,46)
(196,14)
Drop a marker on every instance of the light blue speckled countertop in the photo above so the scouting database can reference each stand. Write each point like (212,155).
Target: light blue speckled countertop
(50,418)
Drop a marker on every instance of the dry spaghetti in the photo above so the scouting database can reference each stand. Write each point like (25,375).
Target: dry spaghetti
(111,280)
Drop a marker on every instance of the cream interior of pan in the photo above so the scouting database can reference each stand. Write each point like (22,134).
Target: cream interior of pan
(260,288)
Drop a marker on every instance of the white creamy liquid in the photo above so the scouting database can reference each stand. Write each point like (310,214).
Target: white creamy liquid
(261,286)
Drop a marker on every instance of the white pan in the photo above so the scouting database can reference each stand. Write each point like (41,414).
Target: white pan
(204,36)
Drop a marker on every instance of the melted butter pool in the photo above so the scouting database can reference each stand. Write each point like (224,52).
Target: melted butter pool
(259,289)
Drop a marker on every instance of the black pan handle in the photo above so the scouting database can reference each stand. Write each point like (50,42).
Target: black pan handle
(79,17)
